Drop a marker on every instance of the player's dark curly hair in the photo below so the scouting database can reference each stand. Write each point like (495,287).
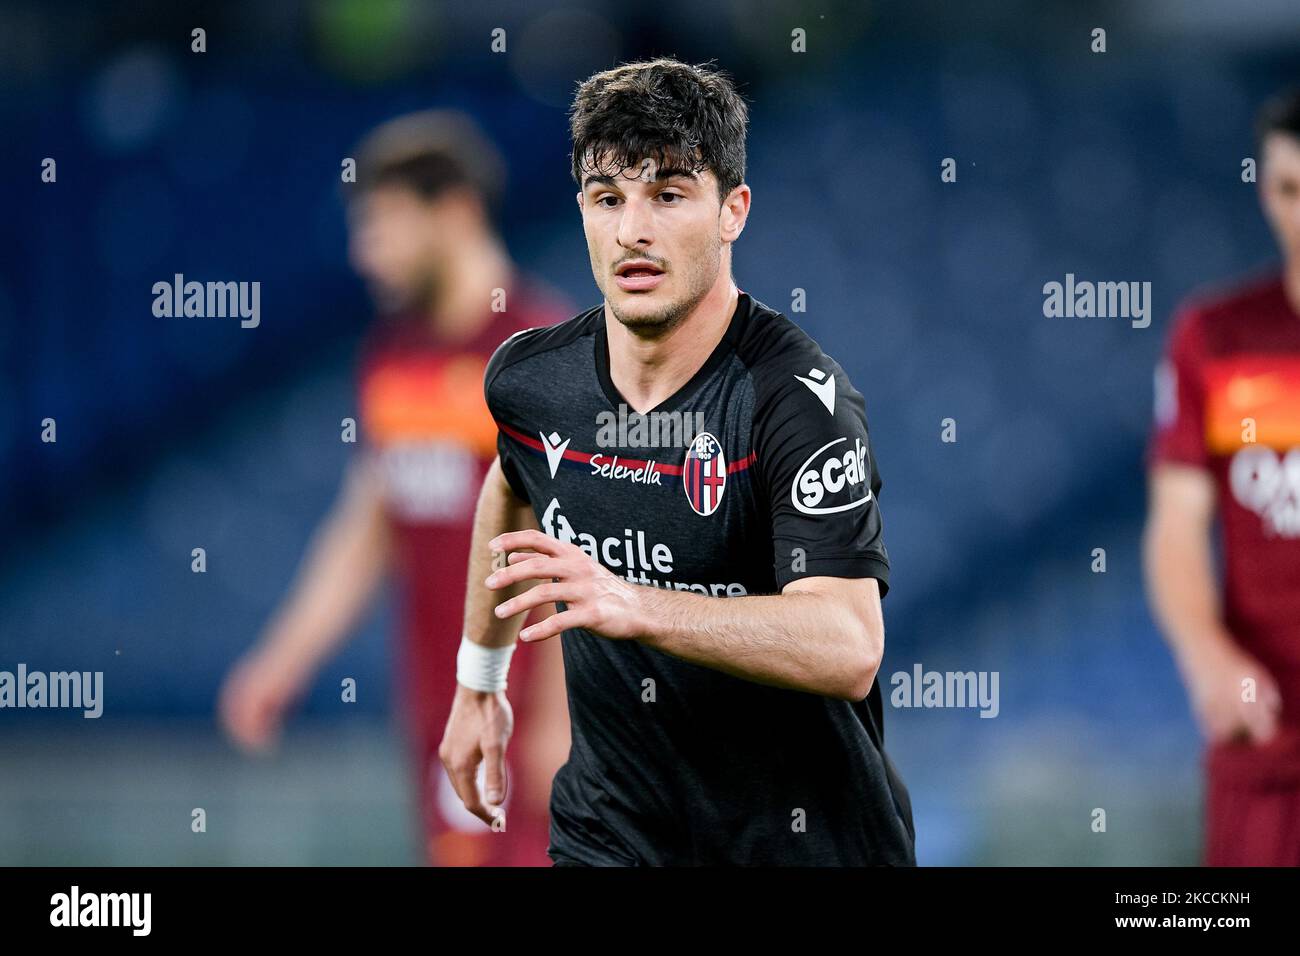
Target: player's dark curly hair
(427,153)
(665,110)
(1281,114)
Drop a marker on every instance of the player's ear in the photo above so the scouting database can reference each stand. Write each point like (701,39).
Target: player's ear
(734,213)
(579,198)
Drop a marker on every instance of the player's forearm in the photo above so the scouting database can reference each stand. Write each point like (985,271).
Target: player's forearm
(498,511)
(797,640)
(1184,595)
(340,574)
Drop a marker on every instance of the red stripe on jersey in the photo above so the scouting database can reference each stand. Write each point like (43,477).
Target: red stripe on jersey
(585,457)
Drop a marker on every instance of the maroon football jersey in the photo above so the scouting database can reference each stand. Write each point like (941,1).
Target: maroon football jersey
(424,418)
(1228,401)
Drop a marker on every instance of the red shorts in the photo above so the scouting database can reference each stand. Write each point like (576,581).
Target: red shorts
(1252,802)
(451,835)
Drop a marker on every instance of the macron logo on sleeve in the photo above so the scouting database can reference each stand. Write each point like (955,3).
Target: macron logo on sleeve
(821,385)
(554,449)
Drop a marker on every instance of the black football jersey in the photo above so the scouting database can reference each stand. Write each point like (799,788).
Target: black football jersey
(756,473)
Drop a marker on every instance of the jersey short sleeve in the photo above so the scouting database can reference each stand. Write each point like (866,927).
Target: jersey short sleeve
(506,449)
(1178,431)
(510,468)
(817,468)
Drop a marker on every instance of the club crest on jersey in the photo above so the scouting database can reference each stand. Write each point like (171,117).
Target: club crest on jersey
(704,474)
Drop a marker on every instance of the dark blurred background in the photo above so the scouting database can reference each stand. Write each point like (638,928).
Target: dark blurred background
(181,433)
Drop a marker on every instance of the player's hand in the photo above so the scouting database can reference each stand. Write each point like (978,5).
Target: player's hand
(1217,690)
(478,730)
(255,696)
(597,599)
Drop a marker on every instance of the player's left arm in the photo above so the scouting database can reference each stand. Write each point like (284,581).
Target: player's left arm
(824,633)
(820,634)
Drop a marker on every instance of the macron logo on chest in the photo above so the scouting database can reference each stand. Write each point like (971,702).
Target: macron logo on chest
(554,449)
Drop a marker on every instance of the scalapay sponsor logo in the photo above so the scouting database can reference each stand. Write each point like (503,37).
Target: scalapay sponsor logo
(818,480)
(72,689)
(632,555)
(646,474)
(102,909)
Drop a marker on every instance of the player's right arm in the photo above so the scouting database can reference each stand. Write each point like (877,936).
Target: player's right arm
(1178,556)
(1180,579)
(481,722)
(339,576)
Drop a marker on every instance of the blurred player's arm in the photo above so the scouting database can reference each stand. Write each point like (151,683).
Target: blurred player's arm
(337,579)
(1179,567)
(481,722)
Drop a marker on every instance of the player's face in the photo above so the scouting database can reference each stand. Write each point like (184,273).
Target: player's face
(668,217)
(1280,191)
(395,244)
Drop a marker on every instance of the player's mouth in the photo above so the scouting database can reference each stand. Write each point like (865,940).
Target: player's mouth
(638,275)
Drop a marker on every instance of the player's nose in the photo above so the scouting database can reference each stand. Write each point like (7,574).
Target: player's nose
(635,225)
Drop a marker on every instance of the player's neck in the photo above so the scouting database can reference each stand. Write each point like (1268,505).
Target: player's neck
(1291,284)
(648,371)
(462,307)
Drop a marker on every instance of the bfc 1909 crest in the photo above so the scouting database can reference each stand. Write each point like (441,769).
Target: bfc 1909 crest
(704,474)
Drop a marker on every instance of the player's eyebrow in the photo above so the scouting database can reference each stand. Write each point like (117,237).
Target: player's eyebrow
(664,172)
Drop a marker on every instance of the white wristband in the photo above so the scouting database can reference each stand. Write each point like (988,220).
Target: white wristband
(482,668)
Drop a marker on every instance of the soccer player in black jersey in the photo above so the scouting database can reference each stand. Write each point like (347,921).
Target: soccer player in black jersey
(689,478)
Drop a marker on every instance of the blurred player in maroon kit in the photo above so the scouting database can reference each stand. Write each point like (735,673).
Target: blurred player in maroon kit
(1227,440)
(421,235)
